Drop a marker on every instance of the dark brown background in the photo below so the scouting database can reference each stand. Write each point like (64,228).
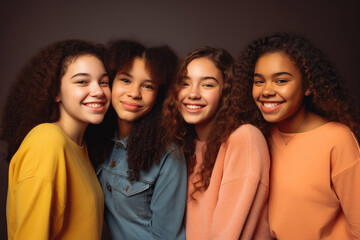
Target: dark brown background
(26,26)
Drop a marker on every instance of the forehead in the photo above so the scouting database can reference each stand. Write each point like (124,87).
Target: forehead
(202,66)
(275,61)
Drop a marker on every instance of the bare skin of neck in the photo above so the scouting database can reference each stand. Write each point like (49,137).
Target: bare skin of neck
(74,131)
(303,122)
(124,128)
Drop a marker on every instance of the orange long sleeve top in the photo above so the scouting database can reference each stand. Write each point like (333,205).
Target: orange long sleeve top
(315,184)
(233,205)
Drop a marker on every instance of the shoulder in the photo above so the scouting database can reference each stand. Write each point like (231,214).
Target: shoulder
(247,133)
(344,146)
(45,133)
(173,157)
(337,133)
(246,154)
(40,152)
(337,128)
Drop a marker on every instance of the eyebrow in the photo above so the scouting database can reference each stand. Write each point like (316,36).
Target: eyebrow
(275,74)
(86,75)
(129,75)
(203,78)
(126,74)
(209,78)
(81,74)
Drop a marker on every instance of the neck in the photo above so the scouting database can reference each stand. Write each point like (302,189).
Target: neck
(295,123)
(75,131)
(202,131)
(124,128)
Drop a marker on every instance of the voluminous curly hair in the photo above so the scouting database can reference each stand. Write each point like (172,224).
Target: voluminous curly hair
(37,86)
(235,108)
(328,97)
(144,145)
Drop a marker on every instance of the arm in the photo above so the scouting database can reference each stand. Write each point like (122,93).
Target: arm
(33,205)
(169,199)
(33,199)
(244,187)
(345,159)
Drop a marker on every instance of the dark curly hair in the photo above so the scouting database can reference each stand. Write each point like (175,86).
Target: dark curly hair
(37,85)
(147,131)
(235,108)
(328,97)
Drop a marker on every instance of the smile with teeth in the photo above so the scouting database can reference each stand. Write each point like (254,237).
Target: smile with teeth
(94,105)
(190,106)
(270,105)
(193,108)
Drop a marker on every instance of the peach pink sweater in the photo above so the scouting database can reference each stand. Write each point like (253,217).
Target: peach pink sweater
(315,184)
(234,205)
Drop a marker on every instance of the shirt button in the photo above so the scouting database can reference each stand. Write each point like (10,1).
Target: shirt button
(127,188)
(113,164)
(119,144)
(108,187)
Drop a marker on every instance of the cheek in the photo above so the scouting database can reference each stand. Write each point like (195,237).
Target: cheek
(181,94)
(107,93)
(255,93)
(117,91)
(70,94)
(150,98)
(214,98)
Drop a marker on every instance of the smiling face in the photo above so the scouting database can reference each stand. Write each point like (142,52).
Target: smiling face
(278,89)
(200,92)
(84,95)
(133,92)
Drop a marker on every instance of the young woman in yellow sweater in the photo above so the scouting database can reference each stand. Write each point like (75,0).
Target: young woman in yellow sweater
(313,140)
(207,113)
(53,192)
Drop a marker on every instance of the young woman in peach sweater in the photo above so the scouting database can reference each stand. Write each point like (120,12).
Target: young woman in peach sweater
(315,158)
(207,113)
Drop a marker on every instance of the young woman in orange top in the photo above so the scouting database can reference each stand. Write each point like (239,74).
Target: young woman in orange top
(227,158)
(313,140)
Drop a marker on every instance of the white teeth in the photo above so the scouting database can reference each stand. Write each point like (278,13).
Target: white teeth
(269,105)
(193,106)
(94,105)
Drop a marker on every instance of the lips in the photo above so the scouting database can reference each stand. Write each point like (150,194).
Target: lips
(131,106)
(193,108)
(269,107)
(95,106)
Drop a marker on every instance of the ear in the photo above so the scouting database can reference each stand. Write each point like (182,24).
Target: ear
(307,92)
(57,99)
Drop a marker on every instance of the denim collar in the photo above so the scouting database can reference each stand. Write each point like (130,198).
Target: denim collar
(116,139)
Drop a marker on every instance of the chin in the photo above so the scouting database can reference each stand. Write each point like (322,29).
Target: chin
(96,121)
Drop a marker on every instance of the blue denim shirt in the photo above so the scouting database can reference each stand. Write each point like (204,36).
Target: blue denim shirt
(152,207)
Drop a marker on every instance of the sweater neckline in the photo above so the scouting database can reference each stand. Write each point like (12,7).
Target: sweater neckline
(302,133)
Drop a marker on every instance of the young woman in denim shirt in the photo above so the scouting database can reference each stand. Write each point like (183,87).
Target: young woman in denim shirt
(144,183)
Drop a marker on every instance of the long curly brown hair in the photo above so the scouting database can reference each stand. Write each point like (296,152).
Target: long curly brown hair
(328,98)
(31,99)
(235,108)
(147,131)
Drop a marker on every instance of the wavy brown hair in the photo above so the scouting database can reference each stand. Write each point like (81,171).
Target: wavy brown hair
(31,99)
(235,108)
(328,97)
(147,131)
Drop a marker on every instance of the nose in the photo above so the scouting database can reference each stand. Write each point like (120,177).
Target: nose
(134,92)
(268,90)
(96,90)
(194,92)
